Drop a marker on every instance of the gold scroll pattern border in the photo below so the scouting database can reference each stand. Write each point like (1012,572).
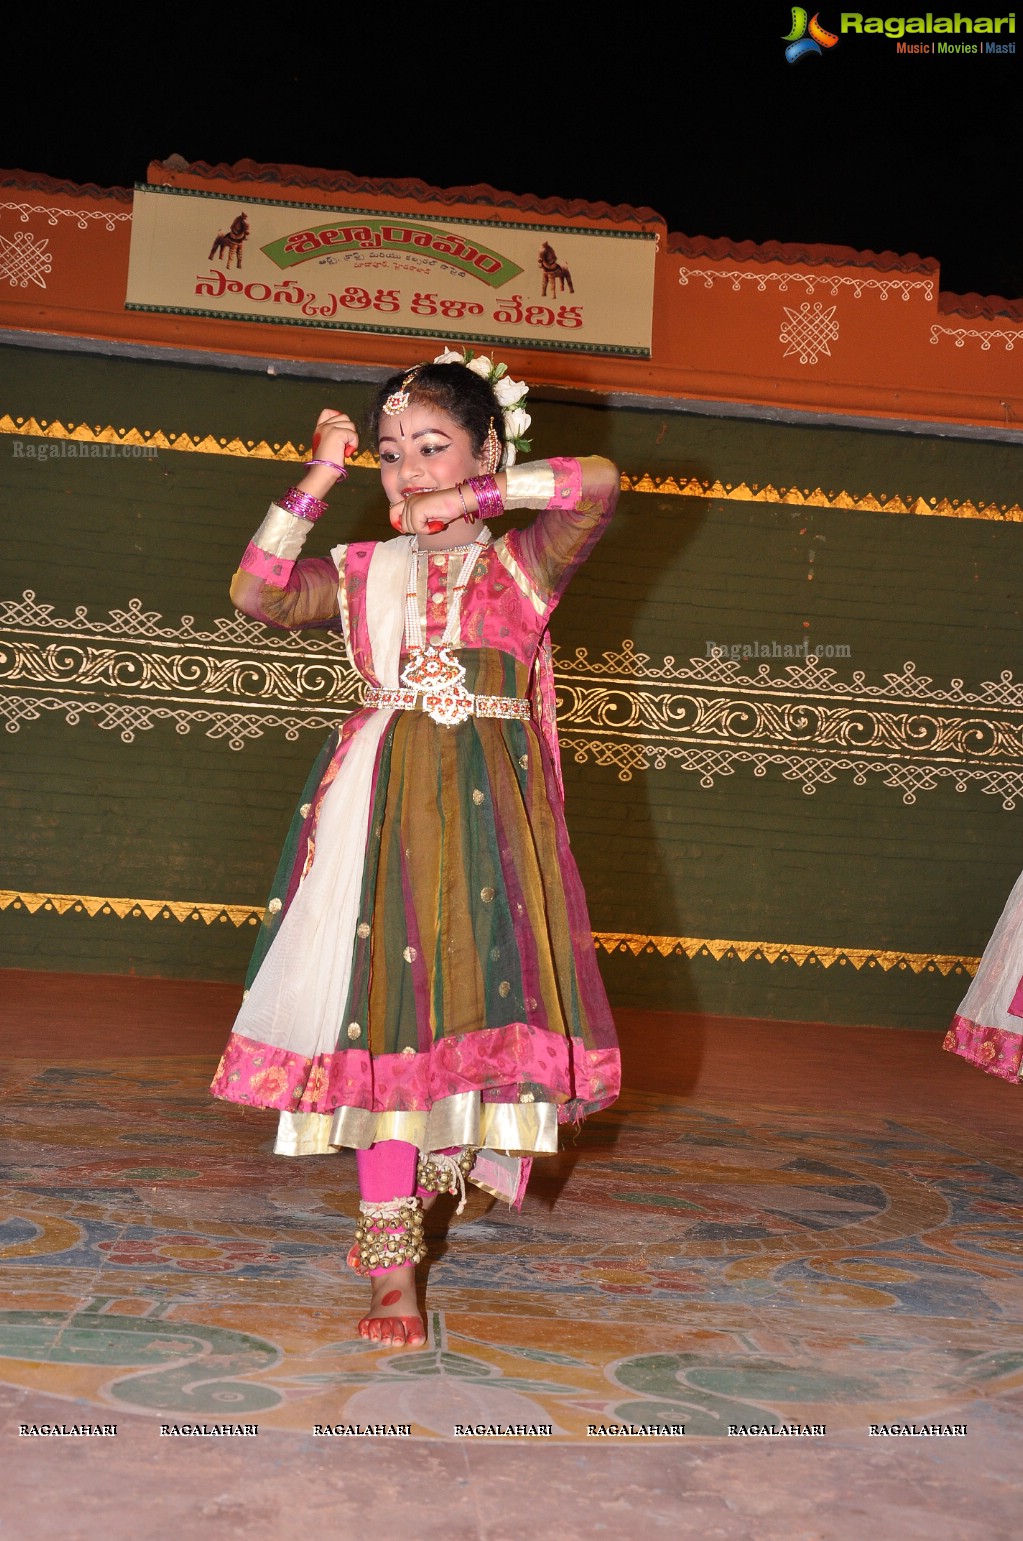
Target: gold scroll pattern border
(669,486)
(721,950)
(622,710)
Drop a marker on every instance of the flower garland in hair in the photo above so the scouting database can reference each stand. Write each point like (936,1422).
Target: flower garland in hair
(510,397)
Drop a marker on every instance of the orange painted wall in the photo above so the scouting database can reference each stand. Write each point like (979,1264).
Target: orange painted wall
(815,329)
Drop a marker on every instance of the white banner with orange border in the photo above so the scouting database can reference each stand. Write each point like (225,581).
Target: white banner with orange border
(562,287)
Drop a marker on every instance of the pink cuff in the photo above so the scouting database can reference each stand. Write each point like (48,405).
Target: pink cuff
(568,483)
(275,570)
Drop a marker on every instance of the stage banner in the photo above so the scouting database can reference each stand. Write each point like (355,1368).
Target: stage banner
(573,289)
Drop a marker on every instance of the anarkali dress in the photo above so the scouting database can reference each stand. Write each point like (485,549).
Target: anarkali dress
(426,968)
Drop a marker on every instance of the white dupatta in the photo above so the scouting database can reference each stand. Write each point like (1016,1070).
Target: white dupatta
(298,996)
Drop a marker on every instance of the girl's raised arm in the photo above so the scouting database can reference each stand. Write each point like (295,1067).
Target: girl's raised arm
(271,584)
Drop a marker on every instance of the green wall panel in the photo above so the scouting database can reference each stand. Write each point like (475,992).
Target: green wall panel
(696,845)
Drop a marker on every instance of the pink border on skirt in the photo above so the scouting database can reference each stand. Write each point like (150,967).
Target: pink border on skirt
(506,1057)
(989,1048)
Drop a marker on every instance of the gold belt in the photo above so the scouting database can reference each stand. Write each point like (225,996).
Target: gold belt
(482,706)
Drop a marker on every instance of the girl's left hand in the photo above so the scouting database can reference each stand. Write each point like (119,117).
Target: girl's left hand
(427,513)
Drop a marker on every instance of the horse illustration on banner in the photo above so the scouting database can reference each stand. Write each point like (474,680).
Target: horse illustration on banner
(554,272)
(231,241)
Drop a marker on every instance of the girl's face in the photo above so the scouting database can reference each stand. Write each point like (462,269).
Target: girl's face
(422,449)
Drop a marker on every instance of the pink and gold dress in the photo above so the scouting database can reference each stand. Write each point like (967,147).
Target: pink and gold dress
(426,970)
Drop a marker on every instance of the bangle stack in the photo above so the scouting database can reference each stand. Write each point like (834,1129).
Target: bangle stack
(302,504)
(342,471)
(489,503)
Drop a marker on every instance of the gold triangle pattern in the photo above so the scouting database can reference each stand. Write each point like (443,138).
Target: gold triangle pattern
(137,909)
(867,503)
(799,953)
(152,439)
(668,486)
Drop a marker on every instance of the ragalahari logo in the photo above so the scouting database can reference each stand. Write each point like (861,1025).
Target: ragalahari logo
(807,36)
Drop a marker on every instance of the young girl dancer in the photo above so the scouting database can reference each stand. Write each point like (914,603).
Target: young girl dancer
(425,989)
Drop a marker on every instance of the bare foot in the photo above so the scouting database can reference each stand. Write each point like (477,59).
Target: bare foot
(393,1317)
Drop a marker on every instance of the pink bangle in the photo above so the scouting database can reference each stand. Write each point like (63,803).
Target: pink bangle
(302,504)
(489,502)
(342,471)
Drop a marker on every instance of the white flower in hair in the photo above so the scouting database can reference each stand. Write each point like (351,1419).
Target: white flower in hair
(510,395)
(516,423)
(510,392)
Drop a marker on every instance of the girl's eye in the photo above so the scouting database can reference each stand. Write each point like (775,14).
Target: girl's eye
(434,449)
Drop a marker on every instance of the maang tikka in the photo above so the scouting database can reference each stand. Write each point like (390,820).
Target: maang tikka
(397,402)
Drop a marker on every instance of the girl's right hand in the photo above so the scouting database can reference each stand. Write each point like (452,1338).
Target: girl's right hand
(335,437)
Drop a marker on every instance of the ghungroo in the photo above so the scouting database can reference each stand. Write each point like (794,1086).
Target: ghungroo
(388,1235)
(438,1173)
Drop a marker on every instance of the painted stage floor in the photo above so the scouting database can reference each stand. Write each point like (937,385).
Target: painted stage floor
(710,1254)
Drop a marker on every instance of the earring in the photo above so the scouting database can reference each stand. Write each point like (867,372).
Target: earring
(490,455)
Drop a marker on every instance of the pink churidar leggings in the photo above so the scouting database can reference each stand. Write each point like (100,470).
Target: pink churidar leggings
(388,1171)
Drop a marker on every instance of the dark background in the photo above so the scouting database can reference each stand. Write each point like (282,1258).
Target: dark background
(696,115)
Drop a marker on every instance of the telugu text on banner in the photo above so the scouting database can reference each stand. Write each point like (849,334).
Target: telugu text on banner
(579,290)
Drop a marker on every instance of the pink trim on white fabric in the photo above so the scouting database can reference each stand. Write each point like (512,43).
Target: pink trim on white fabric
(989,1048)
(298,994)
